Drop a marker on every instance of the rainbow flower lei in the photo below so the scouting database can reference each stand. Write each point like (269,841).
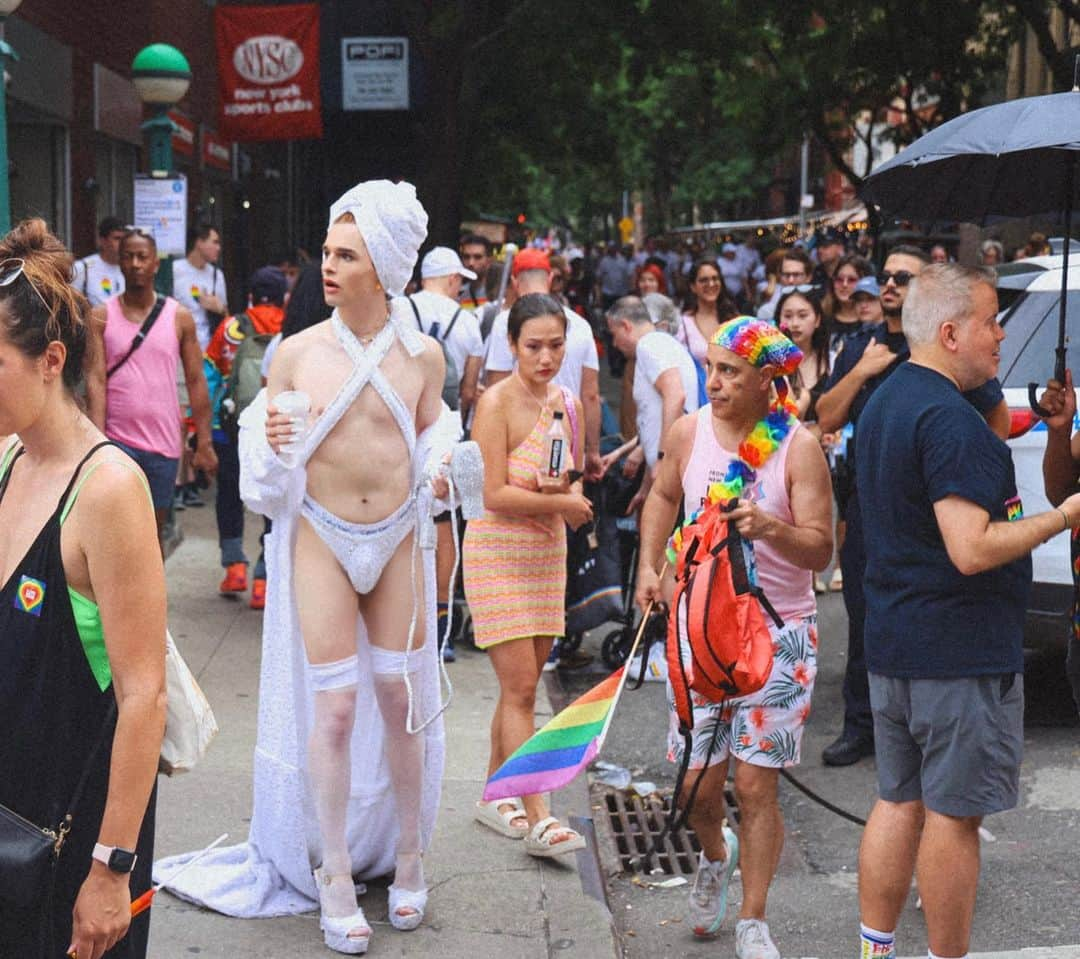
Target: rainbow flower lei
(754,451)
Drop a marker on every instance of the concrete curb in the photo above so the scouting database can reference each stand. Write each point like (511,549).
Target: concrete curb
(574,802)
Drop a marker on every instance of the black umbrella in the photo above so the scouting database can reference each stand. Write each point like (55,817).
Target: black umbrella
(1012,159)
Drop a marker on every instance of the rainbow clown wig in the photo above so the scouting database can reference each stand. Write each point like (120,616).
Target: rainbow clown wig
(762,344)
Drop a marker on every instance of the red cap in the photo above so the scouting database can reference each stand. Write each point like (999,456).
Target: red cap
(531,259)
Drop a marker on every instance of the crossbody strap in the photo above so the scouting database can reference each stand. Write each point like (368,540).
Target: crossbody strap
(453,320)
(144,331)
(107,726)
(416,313)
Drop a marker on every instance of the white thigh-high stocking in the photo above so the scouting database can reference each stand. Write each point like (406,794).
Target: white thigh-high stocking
(405,757)
(330,770)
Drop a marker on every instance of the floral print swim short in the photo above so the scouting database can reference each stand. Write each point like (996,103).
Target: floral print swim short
(766,727)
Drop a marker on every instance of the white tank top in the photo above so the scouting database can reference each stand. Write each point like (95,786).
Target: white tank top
(789,588)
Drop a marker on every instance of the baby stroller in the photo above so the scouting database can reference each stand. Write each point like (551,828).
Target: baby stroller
(616,644)
(616,492)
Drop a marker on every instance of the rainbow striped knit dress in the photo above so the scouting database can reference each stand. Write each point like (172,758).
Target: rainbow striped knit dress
(515,566)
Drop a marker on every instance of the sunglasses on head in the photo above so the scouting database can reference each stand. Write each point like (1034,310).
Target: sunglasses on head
(131,230)
(900,277)
(801,288)
(11,270)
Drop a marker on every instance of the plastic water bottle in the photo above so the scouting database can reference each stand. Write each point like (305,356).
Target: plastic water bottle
(554,461)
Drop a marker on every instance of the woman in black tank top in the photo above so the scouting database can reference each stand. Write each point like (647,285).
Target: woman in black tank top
(82,625)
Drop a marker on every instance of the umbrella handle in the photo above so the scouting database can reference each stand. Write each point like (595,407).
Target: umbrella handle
(1033,401)
(1059,375)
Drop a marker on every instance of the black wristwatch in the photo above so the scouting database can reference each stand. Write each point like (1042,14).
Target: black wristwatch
(117,859)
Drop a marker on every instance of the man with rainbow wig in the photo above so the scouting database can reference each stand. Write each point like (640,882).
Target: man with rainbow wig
(746,444)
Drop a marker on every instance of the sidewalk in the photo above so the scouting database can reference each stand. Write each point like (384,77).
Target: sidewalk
(488,898)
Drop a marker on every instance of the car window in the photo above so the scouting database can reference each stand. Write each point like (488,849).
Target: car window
(1027,353)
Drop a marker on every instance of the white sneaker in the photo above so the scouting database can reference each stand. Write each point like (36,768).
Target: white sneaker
(553,658)
(752,940)
(709,895)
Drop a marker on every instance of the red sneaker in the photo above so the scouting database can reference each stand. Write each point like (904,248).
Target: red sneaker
(258,594)
(235,580)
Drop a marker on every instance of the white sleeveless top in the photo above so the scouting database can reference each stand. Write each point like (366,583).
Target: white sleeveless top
(789,588)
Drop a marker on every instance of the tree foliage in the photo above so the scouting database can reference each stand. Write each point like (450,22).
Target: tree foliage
(915,64)
(554,109)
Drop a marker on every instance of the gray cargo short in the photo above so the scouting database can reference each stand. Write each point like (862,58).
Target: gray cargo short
(955,744)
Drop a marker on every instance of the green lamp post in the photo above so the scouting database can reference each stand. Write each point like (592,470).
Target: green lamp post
(7,7)
(161,75)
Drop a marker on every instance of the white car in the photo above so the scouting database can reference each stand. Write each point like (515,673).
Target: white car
(1030,294)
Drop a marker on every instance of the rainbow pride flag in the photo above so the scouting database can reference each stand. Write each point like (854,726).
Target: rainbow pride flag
(562,749)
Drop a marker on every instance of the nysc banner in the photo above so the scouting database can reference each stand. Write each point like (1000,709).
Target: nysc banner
(268,65)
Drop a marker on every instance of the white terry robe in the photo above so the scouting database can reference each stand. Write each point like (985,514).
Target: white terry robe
(271,874)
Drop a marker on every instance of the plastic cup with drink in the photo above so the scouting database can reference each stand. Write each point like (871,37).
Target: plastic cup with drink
(296,405)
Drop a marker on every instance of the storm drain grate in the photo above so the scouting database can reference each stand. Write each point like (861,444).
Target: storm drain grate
(636,822)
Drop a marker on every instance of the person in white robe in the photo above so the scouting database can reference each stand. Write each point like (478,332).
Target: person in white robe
(349,752)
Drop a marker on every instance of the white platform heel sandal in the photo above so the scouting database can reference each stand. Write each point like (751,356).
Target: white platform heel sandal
(407,899)
(336,929)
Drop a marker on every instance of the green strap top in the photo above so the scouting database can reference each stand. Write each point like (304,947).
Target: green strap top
(85,611)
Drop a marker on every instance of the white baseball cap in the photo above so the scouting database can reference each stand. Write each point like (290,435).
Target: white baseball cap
(442,261)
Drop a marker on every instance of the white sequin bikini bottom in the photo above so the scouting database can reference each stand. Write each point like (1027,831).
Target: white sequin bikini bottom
(362,549)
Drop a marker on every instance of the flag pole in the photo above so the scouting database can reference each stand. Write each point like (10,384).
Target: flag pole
(622,679)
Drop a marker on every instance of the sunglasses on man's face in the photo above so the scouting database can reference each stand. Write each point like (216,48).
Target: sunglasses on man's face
(900,277)
(11,270)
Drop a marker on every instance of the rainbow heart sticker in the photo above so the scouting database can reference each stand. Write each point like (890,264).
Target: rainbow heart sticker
(30,595)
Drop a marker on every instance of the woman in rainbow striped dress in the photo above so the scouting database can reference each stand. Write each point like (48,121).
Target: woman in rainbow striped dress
(515,555)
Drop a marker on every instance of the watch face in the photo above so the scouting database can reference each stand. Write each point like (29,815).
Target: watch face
(121,860)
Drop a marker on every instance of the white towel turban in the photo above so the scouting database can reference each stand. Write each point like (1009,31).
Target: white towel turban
(393,225)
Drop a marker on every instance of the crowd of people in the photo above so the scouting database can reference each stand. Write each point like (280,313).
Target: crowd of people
(794,387)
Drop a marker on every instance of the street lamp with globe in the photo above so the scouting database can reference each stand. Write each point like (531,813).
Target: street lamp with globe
(7,7)
(161,75)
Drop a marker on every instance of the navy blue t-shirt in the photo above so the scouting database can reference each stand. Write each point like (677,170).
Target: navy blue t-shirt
(984,398)
(919,440)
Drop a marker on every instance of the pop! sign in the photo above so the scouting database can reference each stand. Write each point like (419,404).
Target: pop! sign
(269,82)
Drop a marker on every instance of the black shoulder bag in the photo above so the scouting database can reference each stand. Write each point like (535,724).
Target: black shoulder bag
(28,853)
(144,332)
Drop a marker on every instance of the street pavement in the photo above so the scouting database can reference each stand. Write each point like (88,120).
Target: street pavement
(1030,875)
(488,898)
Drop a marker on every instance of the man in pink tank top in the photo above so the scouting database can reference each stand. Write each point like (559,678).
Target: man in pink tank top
(786,510)
(131,379)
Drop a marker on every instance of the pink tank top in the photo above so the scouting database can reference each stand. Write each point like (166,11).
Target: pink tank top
(141,405)
(691,337)
(789,588)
